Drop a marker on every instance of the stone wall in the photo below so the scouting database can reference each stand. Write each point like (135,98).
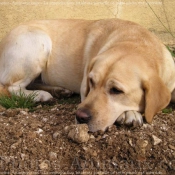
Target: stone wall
(156,15)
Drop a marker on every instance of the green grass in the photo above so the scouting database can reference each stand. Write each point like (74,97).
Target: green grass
(18,101)
(167,110)
(171,51)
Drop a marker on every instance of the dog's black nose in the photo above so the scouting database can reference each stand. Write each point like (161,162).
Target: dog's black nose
(83,115)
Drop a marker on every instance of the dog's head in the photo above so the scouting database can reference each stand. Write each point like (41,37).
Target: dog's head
(115,84)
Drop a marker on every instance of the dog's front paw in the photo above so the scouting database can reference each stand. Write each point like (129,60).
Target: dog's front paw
(130,118)
(43,96)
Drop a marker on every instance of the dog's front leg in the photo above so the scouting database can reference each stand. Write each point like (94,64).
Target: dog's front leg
(130,118)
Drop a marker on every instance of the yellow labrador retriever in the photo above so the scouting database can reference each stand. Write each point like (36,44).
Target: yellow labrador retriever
(119,68)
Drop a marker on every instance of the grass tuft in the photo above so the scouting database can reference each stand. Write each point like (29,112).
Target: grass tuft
(18,101)
(171,51)
(167,110)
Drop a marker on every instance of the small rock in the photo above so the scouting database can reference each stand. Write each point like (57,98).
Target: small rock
(171,147)
(141,149)
(15,145)
(39,106)
(85,148)
(143,144)
(53,109)
(39,131)
(79,133)
(53,156)
(67,129)
(92,137)
(97,164)
(56,134)
(93,153)
(40,141)
(104,136)
(130,142)
(45,119)
(24,112)
(164,127)
(156,140)
(114,164)
(43,166)
(23,156)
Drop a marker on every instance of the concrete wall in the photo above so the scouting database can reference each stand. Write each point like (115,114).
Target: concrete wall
(156,15)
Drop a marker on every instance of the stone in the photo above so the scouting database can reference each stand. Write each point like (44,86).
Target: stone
(156,140)
(43,166)
(79,133)
(53,156)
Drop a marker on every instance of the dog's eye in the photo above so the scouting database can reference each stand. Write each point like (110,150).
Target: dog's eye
(115,91)
(91,82)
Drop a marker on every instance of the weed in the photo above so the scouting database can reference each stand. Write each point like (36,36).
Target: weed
(167,110)
(171,51)
(18,101)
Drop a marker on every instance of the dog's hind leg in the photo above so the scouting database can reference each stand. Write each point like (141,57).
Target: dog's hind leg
(54,90)
(20,87)
(23,56)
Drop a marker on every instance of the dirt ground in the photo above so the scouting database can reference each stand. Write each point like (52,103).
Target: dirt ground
(36,143)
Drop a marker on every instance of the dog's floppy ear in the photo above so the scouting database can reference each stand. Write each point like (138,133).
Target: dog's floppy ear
(157,96)
(84,87)
(85,82)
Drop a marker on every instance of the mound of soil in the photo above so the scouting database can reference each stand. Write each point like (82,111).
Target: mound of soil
(35,142)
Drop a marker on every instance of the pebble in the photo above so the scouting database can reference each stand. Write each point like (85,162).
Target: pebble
(23,156)
(39,131)
(56,134)
(45,120)
(141,149)
(85,148)
(24,112)
(39,106)
(94,153)
(79,133)
(43,166)
(171,147)
(104,136)
(67,129)
(15,145)
(92,137)
(164,127)
(144,144)
(130,142)
(53,156)
(156,140)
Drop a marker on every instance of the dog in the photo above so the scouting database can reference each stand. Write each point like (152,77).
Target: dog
(120,69)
